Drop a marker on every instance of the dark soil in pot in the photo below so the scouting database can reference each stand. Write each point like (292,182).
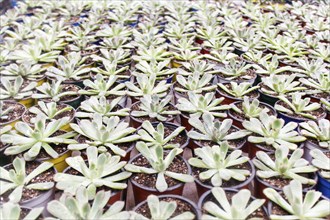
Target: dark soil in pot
(16,113)
(259,213)
(73,100)
(183,205)
(205,185)
(29,194)
(145,184)
(28,115)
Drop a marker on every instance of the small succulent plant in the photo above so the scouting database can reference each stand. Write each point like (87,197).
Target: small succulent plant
(14,89)
(238,90)
(13,211)
(319,131)
(250,108)
(322,162)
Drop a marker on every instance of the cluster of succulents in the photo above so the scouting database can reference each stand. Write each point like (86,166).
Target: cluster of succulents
(110,103)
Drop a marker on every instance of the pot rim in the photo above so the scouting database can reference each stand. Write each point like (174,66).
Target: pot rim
(154,189)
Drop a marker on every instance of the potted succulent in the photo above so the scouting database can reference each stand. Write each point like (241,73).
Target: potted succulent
(321,160)
(28,183)
(231,204)
(320,84)
(153,108)
(17,90)
(83,208)
(157,172)
(296,204)
(44,142)
(10,210)
(278,85)
(216,167)
(208,132)
(26,70)
(198,104)
(233,91)
(97,172)
(51,111)
(165,207)
(246,109)
(167,135)
(157,53)
(107,134)
(276,170)
(298,109)
(269,132)
(120,56)
(11,112)
(111,69)
(102,106)
(317,134)
(58,92)
(220,57)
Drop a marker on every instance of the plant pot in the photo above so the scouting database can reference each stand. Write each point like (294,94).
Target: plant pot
(136,122)
(238,122)
(27,102)
(4,159)
(59,163)
(230,99)
(192,205)
(176,63)
(75,103)
(19,118)
(323,185)
(141,192)
(308,146)
(269,99)
(202,188)
(209,196)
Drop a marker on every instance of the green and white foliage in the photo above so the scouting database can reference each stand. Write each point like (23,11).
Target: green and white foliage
(69,67)
(273,131)
(219,164)
(198,104)
(298,204)
(322,162)
(79,207)
(26,70)
(147,85)
(298,106)
(196,82)
(320,82)
(216,131)
(13,211)
(319,131)
(104,132)
(234,69)
(103,86)
(238,90)
(284,165)
(4,112)
(111,69)
(154,137)
(240,207)
(159,165)
(16,180)
(326,104)
(155,107)
(101,106)
(100,170)
(15,89)
(162,210)
(32,139)
(250,108)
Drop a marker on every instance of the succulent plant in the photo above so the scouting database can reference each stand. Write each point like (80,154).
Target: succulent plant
(297,204)
(79,207)
(31,139)
(321,161)
(250,108)
(197,82)
(162,210)
(319,131)
(155,107)
(271,67)
(152,53)
(219,164)
(240,207)
(238,90)
(104,133)
(99,170)
(102,106)
(311,67)
(198,104)
(153,67)
(297,105)
(53,91)
(119,56)
(13,211)
(147,85)
(103,87)
(14,89)
(156,137)
(326,104)
(273,131)
(222,56)
(235,69)
(284,165)
(111,69)
(71,67)
(16,179)
(320,83)
(26,70)
(159,165)
(214,130)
